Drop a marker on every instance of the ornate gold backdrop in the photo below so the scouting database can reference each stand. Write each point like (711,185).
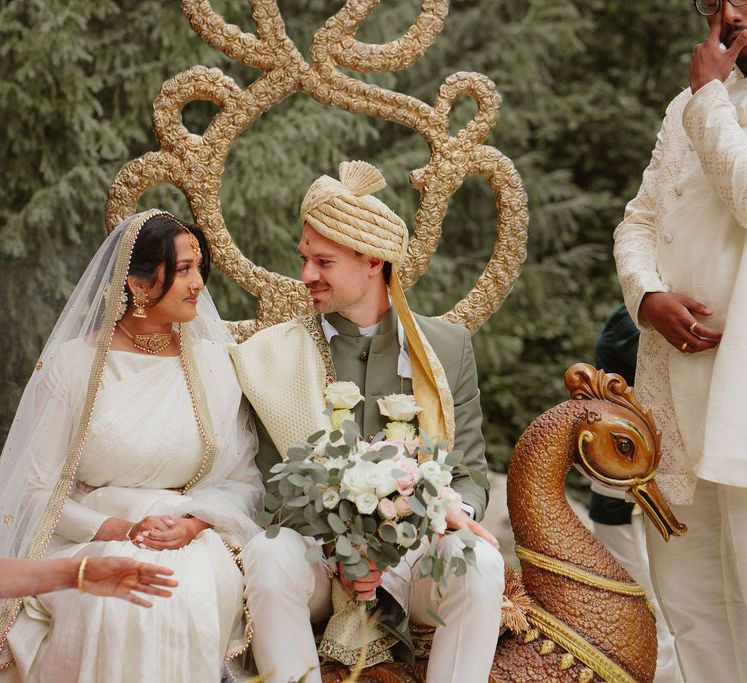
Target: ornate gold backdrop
(195,163)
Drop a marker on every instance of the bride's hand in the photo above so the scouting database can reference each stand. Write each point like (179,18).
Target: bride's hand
(115,529)
(163,532)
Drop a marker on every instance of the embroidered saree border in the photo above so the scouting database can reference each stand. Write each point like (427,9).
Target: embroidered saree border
(61,491)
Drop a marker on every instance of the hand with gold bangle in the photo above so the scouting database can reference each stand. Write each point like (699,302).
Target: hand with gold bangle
(122,577)
(106,576)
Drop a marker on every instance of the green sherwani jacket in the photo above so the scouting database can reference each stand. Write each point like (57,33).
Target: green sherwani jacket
(371,362)
(283,370)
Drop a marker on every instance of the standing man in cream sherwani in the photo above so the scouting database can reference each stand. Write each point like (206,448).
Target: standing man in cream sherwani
(364,331)
(680,254)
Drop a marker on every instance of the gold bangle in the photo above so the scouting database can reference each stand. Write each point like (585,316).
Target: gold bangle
(81,573)
(129,531)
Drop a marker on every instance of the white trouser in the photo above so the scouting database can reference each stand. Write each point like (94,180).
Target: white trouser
(701,582)
(285,594)
(627,544)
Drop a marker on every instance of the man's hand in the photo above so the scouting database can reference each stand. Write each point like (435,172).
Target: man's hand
(459,519)
(710,62)
(361,589)
(672,316)
(163,532)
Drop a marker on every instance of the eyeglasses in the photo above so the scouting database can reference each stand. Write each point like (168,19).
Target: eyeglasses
(709,7)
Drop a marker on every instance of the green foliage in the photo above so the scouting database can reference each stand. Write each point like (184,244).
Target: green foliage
(584,83)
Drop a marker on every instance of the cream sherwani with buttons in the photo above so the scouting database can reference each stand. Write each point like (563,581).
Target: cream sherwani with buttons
(685,232)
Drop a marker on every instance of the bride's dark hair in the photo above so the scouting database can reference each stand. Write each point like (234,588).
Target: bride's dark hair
(155,246)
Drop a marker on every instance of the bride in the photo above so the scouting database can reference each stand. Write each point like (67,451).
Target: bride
(131,439)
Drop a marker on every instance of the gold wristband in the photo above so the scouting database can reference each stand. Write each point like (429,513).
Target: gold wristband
(81,573)
(129,531)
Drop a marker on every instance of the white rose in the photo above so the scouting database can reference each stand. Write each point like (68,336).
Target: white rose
(330,499)
(355,479)
(343,395)
(435,474)
(399,431)
(366,503)
(340,415)
(399,407)
(380,479)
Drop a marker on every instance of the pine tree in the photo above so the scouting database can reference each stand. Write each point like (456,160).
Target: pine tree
(584,85)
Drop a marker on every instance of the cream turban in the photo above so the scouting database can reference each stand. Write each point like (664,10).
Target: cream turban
(345,212)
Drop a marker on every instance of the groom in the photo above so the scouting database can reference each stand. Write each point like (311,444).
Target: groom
(351,244)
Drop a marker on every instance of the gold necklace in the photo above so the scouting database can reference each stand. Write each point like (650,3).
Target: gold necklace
(152,343)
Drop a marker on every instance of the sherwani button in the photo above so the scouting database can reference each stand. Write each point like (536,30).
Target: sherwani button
(678,190)
(364,356)
(668,237)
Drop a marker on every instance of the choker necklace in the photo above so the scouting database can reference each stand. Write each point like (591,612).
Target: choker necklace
(152,343)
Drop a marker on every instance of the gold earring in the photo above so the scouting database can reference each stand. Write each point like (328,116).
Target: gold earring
(141,300)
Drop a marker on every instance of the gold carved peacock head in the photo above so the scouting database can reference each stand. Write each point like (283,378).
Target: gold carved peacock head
(617,442)
(195,163)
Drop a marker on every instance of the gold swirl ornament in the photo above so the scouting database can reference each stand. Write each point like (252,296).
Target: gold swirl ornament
(195,163)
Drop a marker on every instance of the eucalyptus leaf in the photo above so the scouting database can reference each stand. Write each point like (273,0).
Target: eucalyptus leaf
(343,547)
(298,502)
(337,525)
(298,480)
(272,531)
(314,553)
(264,518)
(271,502)
(356,571)
(417,506)
(430,488)
(296,453)
(353,558)
(345,510)
(388,533)
(479,478)
(453,458)
(316,436)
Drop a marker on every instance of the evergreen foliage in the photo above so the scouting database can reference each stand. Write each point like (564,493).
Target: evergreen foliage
(584,85)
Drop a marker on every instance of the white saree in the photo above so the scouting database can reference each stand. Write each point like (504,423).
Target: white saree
(150,435)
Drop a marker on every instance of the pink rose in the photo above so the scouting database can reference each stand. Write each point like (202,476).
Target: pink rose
(406,483)
(402,506)
(387,509)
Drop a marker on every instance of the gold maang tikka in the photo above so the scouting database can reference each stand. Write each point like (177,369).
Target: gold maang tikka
(194,244)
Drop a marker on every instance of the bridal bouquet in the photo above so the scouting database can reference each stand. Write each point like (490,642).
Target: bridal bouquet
(369,501)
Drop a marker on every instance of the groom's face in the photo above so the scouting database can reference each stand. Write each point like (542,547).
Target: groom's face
(337,277)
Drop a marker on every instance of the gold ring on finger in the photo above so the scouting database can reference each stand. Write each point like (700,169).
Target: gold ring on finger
(693,326)
(683,348)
